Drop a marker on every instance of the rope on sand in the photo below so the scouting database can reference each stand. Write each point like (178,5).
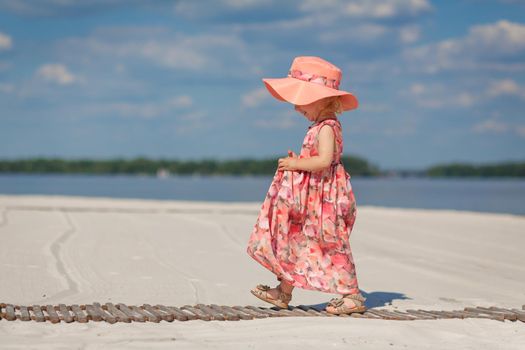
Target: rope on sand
(113,313)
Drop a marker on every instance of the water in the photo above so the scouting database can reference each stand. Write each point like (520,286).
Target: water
(475,194)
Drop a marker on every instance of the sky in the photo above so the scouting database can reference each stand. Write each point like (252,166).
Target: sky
(437,81)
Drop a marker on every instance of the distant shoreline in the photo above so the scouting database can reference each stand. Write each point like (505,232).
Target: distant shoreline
(392,175)
(165,167)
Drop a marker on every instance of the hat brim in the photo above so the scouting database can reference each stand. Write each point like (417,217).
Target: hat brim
(300,92)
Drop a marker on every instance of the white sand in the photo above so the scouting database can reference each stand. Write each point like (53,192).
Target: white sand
(58,249)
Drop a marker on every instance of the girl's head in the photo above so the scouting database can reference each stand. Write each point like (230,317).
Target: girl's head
(328,106)
(311,78)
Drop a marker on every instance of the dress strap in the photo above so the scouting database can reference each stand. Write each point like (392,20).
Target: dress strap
(337,134)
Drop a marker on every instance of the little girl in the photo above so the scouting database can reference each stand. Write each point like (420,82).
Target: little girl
(303,228)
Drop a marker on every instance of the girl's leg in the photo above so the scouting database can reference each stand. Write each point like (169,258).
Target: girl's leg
(286,287)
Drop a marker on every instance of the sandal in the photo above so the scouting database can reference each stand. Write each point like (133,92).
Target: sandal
(261,292)
(341,308)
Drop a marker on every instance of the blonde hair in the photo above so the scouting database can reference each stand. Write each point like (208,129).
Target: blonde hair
(332,104)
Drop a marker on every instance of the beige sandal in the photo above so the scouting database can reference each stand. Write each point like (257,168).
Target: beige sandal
(340,308)
(261,292)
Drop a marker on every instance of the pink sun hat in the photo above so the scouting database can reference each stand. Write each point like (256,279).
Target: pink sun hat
(309,79)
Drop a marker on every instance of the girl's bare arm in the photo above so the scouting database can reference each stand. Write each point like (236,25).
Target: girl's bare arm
(326,141)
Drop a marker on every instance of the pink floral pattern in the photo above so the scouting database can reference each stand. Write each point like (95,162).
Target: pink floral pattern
(303,229)
(314,78)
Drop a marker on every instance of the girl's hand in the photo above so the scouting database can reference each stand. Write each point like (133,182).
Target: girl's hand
(288,163)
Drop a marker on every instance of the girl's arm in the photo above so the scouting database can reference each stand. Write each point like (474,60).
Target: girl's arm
(326,141)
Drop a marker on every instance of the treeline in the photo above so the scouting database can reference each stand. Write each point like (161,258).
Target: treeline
(147,166)
(504,169)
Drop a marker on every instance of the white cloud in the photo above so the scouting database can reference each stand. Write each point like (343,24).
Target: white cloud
(172,56)
(402,128)
(278,25)
(212,54)
(505,87)
(286,120)
(130,109)
(144,110)
(341,21)
(370,32)
(225,8)
(496,126)
(465,99)
(244,3)
(332,21)
(520,130)
(505,37)
(180,101)
(120,68)
(359,32)
(417,89)
(409,34)
(438,95)
(48,8)
(490,125)
(57,73)
(5,41)
(372,71)
(6,88)
(377,9)
(197,52)
(374,107)
(495,46)
(191,121)
(255,97)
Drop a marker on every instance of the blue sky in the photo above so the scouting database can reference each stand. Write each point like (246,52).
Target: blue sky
(437,81)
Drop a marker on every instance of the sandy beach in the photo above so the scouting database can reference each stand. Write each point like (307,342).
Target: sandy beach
(60,249)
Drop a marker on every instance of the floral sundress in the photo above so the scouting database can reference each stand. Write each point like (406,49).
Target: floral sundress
(303,229)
